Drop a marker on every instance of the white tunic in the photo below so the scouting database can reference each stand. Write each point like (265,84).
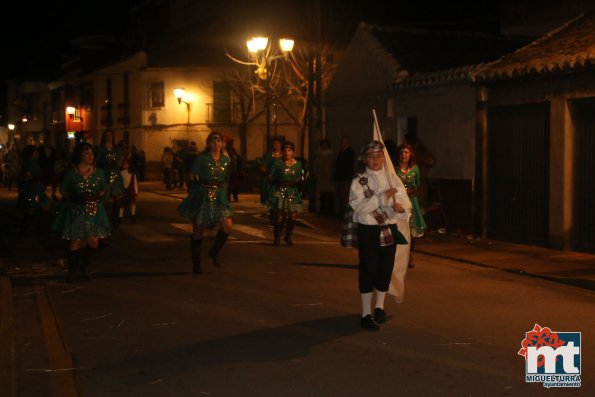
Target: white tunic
(378,183)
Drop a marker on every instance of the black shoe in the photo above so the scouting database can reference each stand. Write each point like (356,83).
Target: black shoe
(379,315)
(369,324)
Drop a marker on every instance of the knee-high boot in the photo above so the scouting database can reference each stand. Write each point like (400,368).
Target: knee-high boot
(72,260)
(195,249)
(289,231)
(277,229)
(220,240)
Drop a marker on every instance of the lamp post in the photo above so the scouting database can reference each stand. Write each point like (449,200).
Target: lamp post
(262,56)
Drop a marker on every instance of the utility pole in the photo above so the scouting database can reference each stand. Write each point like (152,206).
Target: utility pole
(314,100)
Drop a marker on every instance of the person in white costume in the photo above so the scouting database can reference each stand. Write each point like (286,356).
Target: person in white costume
(378,200)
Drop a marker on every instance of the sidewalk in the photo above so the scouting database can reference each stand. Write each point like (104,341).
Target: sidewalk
(572,268)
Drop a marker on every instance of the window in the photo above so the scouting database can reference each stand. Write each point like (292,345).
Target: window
(221,102)
(157,94)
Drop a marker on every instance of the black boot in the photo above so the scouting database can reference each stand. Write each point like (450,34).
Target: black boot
(277,228)
(86,253)
(289,231)
(72,260)
(195,249)
(220,240)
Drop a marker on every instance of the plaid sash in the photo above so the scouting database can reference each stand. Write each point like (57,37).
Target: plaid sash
(386,236)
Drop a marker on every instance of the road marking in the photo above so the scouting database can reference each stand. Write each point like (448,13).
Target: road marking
(62,375)
(253,231)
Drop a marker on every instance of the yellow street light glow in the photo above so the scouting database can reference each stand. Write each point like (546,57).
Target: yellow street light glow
(286,45)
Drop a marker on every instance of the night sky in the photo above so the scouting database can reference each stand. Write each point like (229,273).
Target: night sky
(40,40)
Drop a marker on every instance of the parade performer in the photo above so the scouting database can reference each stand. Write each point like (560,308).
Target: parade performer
(285,202)
(32,198)
(410,174)
(207,202)
(377,203)
(109,157)
(81,218)
(267,161)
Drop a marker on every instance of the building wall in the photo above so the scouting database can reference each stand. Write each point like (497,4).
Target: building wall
(446,124)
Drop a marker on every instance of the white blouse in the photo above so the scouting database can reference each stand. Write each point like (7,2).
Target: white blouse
(378,183)
(126,178)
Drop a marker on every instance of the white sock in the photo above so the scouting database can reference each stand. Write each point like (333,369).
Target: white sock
(366,303)
(132,209)
(380,299)
(121,212)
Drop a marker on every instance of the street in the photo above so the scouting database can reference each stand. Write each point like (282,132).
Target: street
(273,321)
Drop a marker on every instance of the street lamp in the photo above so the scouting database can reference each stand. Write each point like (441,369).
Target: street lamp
(262,55)
(179,94)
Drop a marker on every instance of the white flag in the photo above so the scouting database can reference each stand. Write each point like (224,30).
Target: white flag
(397,281)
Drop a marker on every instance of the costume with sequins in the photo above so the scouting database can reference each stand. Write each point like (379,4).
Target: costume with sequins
(286,196)
(82,214)
(207,201)
(32,193)
(411,179)
(109,161)
(267,188)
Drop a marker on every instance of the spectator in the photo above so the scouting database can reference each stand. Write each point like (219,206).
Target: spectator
(323,173)
(236,174)
(168,162)
(47,163)
(343,175)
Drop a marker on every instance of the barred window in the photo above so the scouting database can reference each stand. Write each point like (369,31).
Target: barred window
(157,94)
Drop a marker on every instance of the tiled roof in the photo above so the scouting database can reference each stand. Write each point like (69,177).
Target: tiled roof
(569,47)
(441,54)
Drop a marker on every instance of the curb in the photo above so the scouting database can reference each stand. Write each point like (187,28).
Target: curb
(579,283)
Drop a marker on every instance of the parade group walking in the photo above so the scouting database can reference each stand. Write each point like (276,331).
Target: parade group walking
(100,185)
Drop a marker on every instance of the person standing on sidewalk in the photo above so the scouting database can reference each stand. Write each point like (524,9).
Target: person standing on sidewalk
(285,202)
(343,175)
(207,202)
(410,174)
(81,218)
(377,202)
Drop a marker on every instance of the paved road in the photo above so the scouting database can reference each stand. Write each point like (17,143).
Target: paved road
(272,321)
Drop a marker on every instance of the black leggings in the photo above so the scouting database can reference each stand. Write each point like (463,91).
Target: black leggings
(375,262)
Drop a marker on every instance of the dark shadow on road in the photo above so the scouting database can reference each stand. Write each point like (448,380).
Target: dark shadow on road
(279,344)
